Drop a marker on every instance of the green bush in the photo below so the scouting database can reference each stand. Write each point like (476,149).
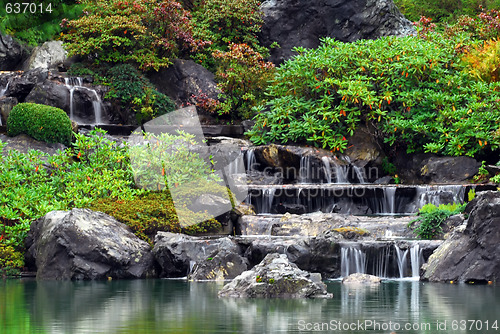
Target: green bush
(152,212)
(431,218)
(411,89)
(41,122)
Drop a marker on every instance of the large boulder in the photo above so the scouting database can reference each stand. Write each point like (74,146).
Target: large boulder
(219,266)
(24,144)
(276,277)
(293,23)
(84,245)
(183,79)
(46,56)
(177,254)
(470,254)
(12,54)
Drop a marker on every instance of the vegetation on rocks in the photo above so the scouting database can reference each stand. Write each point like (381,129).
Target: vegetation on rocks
(431,217)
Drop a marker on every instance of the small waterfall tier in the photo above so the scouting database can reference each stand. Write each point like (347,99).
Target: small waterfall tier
(78,108)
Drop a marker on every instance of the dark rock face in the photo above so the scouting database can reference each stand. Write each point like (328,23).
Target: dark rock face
(470,254)
(432,169)
(183,79)
(293,23)
(12,54)
(220,265)
(176,253)
(276,277)
(86,245)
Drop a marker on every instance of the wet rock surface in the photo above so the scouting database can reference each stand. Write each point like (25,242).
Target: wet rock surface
(84,245)
(361,279)
(276,277)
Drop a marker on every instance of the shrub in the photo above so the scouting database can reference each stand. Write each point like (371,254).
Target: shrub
(135,93)
(10,260)
(153,212)
(41,122)
(149,33)
(432,217)
(483,61)
(409,88)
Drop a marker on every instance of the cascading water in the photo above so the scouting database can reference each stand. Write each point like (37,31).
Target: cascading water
(381,263)
(267,200)
(74,83)
(250,160)
(439,194)
(416,258)
(401,257)
(328,169)
(4,90)
(389,200)
(359,173)
(341,173)
(305,170)
(353,260)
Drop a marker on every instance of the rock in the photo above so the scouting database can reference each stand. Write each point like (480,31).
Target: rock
(177,252)
(293,23)
(361,279)
(276,277)
(24,144)
(210,202)
(84,245)
(220,265)
(470,254)
(12,54)
(6,105)
(183,79)
(46,56)
(21,83)
(432,169)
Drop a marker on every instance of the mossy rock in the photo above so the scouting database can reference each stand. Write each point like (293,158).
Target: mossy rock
(44,123)
(350,232)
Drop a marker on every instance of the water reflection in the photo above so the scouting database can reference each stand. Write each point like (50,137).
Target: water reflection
(169,306)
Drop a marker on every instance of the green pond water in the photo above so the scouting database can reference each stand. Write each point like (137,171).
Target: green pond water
(177,306)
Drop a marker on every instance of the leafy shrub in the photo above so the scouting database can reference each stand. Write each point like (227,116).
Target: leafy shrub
(135,93)
(152,212)
(432,217)
(483,61)
(38,26)
(41,122)
(10,260)
(409,88)
(149,33)
(242,76)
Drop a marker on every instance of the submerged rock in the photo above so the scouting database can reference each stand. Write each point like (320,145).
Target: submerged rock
(276,277)
(85,245)
(470,254)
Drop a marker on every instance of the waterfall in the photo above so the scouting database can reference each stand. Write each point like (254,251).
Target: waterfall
(328,169)
(401,257)
(4,90)
(439,195)
(353,260)
(359,174)
(341,172)
(267,200)
(251,160)
(416,258)
(389,200)
(191,267)
(73,83)
(305,170)
(381,262)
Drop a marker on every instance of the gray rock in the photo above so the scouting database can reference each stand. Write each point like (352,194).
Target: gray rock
(86,245)
(183,79)
(12,54)
(46,56)
(470,254)
(24,144)
(21,83)
(293,23)
(219,266)
(177,253)
(361,279)
(6,105)
(276,277)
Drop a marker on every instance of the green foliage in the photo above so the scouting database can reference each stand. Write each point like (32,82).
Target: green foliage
(168,161)
(471,194)
(149,33)
(41,122)
(224,22)
(135,93)
(10,260)
(432,217)
(242,76)
(409,88)
(38,24)
(483,61)
(152,212)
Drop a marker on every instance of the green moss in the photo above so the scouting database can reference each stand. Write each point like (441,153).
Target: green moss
(351,229)
(44,123)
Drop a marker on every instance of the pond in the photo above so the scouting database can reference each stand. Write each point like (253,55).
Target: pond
(178,306)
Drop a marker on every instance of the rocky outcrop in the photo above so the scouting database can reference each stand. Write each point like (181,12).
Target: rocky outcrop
(433,169)
(361,279)
(219,266)
(46,56)
(470,254)
(293,23)
(24,144)
(183,79)
(178,253)
(12,54)
(84,245)
(276,277)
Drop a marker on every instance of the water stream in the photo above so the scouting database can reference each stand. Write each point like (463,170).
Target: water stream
(76,83)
